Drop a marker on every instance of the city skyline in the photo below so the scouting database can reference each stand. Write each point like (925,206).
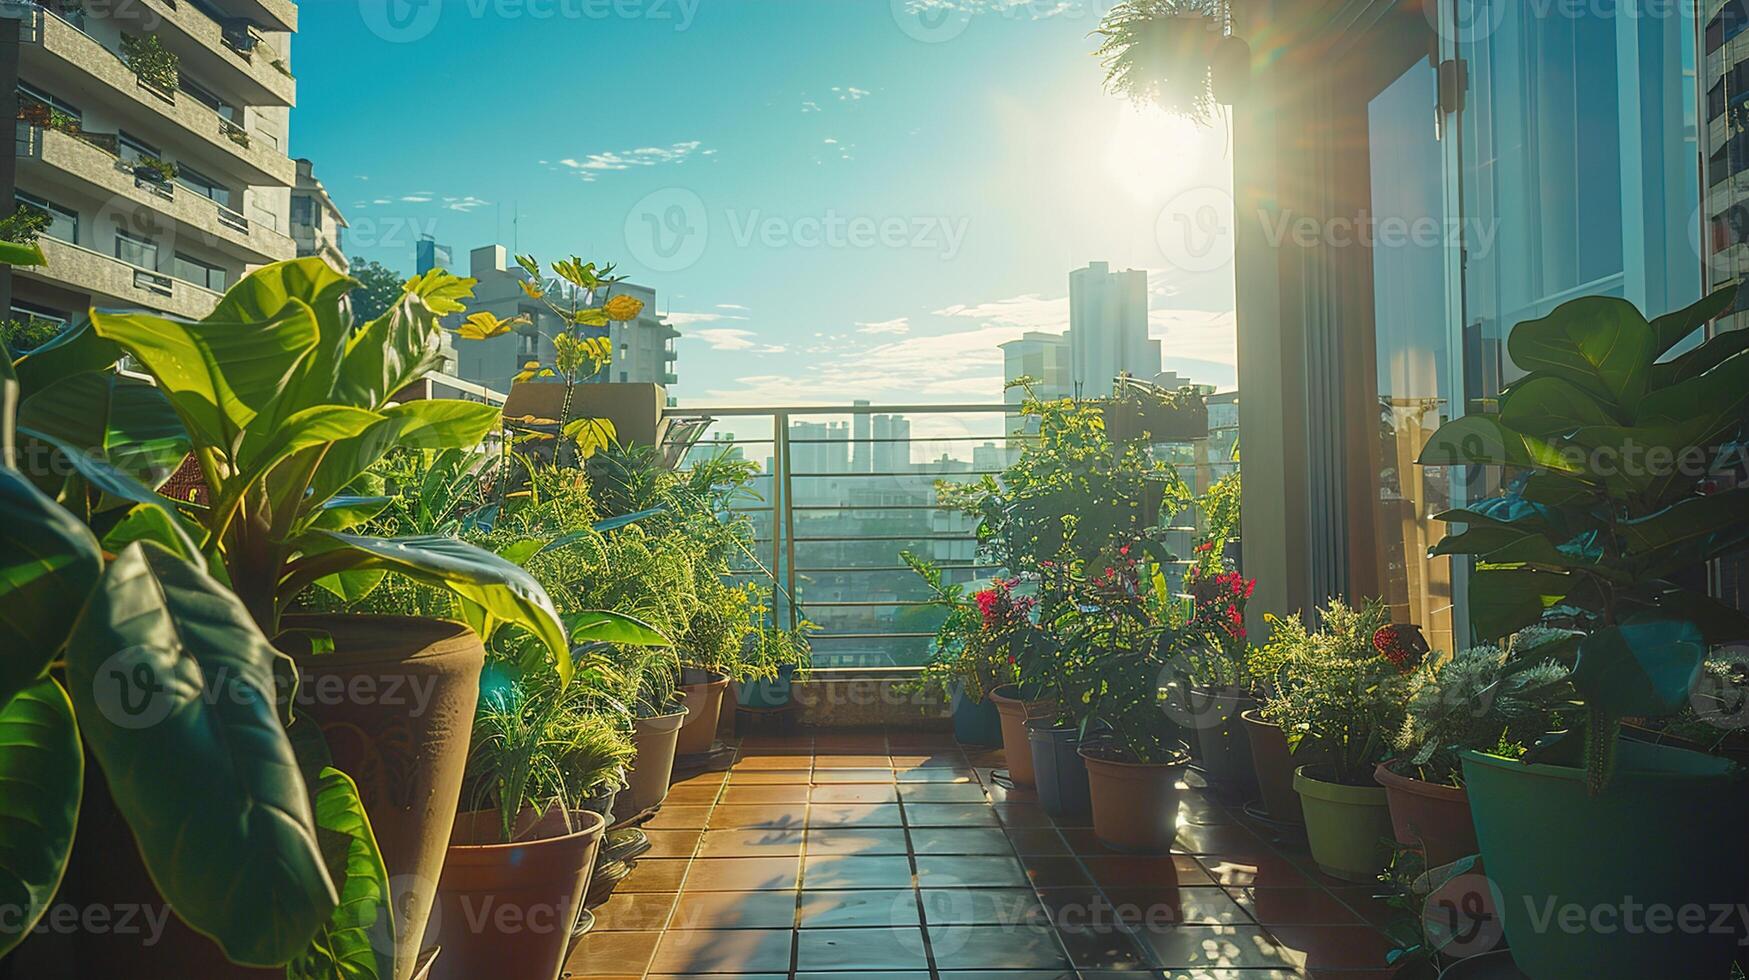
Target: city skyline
(805,168)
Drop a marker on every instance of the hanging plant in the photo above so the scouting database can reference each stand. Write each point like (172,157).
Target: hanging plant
(1177,54)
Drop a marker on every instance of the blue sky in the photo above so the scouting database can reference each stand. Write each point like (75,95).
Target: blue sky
(834,199)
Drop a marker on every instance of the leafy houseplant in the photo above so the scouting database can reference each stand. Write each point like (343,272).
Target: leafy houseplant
(154,170)
(1616,452)
(1177,54)
(151,62)
(183,758)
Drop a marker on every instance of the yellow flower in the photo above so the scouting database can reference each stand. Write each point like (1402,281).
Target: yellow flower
(623,308)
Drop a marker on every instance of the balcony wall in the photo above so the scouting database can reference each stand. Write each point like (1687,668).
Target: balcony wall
(115,284)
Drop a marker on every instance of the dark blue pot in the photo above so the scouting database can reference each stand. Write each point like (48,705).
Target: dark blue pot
(975,722)
(767,694)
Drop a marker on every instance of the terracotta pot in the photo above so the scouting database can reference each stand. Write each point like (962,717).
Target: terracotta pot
(1433,818)
(507,910)
(1135,805)
(647,784)
(704,707)
(1016,747)
(1274,766)
(396,700)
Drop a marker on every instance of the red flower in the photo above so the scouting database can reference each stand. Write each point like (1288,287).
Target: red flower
(1403,645)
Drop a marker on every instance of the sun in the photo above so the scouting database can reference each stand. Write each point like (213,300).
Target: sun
(1151,154)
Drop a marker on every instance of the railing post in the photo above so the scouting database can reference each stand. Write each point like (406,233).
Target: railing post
(783,544)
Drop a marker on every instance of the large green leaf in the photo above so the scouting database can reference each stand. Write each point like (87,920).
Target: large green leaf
(390,353)
(127,422)
(1700,360)
(148,522)
(219,376)
(176,695)
(444,423)
(1506,600)
(1712,404)
(310,428)
(605,626)
(49,563)
(1673,328)
(505,591)
(345,513)
(1549,408)
(108,478)
(1640,670)
(74,351)
(1691,531)
(41,779)
(358,941)
(1481,440)
(19,253)
(1600,343)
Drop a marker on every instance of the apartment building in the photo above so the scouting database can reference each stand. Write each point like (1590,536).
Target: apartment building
(643,348)
(152,135)
(317,223)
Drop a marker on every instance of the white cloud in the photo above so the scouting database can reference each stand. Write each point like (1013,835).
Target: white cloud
(688,319)
(466,204)
(1031,9)
(850,93)
(897,325)
(809,105)
(1029,312)
(731,338)
(731,306)
(590,167)
(423,197)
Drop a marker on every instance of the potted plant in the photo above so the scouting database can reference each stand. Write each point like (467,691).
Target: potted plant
(1180,55)
(1617,457)
(154,170)
(1273,761)
(283,402)
(775,658)
(963,665)
(1140,409)
(1485,698)
(526,845)
(1344,696)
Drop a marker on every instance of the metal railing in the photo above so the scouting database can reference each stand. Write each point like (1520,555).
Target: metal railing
(844,491)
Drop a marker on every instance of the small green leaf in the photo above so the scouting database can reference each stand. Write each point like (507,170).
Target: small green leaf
(603,626)
(42,776)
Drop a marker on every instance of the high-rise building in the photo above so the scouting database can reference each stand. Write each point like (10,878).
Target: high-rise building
(1043,357)
(162,184)
(317,225)
(643,348)
(861,456)
(1108,328)
(892,443)
(428,254)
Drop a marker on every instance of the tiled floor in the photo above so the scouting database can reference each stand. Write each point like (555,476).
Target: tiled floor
(895,856)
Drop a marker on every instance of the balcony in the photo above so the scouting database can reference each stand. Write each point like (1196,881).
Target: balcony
(47,157)
(229,56)
(112,283)
(52,48)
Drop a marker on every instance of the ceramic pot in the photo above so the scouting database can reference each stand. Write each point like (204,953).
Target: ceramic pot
(1058,770)
(704,707)
(1346,826)
(1274,767)
(1016,711)
(975,722)
(1135,805)
(1431,818)
(508,910)
(654,741)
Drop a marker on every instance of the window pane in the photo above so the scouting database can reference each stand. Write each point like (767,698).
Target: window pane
(136,251)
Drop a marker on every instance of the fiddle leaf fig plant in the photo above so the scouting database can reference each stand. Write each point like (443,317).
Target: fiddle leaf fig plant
(285,402)
(1622,467)
(155,667)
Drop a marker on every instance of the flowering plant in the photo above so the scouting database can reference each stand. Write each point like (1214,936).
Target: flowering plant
(963,653)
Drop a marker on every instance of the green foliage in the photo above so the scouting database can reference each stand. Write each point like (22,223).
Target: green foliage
(961,655)
(1484,698)
(1336,692)
(28,334)
(154,64)
(378,288)
(24,225)
(1158,51)
(1613,453)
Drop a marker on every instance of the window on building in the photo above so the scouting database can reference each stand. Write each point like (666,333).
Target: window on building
(205,96)
(52,101)
(200,273)
(136,250)
(134,149)
(63,221)
(203,185)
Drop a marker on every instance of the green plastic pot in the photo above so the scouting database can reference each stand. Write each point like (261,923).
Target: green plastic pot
(1348,827)
(1667,833)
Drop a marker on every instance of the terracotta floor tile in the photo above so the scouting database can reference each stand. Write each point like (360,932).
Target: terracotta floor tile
(950,815)
(849,841)
(890,907)
(1219,947)
(1296,907)
(735,910)
(613,953)
(826,777)
(710,777)
(1135,871)
(830,763)
(1013,907)
(634,911)
(855,815)
(745,874)
(1024,815)
(766,763)
(943,774)
(855,793)
(769,777)
(672,843)
(836,872)
(1335,947)
(879,949)
(679,817)
(1054,871)
(1041,841)
(1364,900)
(701,793)
(970,871)
(736,794)
(1104,949)
(941,792)
(1263,871)
(828,743)
(960,840)
(790,816)
(1229,839)
(1169,908)
(934,760)
(655,875)
(996,947)
(723,951)
(922,739)
(750,843)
